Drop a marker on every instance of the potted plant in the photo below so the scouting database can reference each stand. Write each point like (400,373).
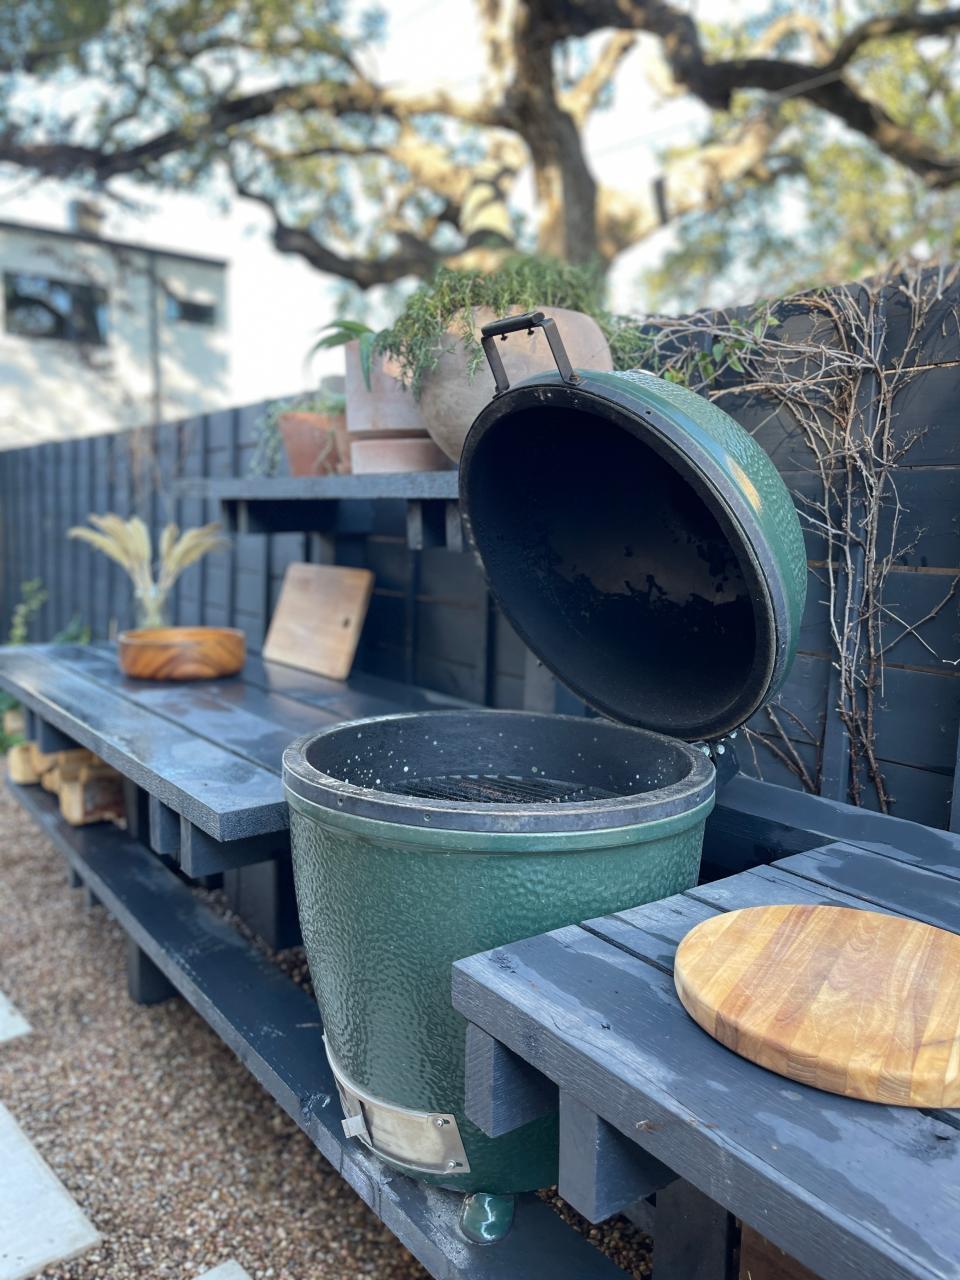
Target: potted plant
(435,341)
(156,650)
(384,425)
(311,431)
(377,404)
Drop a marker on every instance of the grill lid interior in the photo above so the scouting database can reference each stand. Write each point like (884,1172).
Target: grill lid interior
(617,562)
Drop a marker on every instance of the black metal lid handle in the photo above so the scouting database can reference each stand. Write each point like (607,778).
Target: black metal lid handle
(529,321)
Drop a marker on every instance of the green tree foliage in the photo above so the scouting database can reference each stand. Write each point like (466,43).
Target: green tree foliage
(830,142)
(841,208)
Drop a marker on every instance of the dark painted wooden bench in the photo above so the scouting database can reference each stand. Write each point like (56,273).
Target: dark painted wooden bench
(586,1019)
(178,945)
(202,763)
(202,759)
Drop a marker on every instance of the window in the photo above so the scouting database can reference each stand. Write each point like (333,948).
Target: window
(41,307)
(190,312)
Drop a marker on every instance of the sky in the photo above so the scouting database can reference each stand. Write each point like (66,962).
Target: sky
(278,303)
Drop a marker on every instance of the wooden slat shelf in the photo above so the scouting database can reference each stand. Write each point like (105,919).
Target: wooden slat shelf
(402,485)
(178,945)
(284,504)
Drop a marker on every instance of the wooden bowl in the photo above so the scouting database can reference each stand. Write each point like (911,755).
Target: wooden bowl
(181,653)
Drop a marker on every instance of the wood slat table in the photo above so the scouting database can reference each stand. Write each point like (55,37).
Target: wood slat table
(649,1106)
(178,945)
(206,757)
(586,1018)
(203,759)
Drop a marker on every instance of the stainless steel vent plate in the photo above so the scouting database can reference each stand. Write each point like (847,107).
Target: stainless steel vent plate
(421,1141)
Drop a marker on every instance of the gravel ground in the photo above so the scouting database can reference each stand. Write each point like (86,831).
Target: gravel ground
(176,1154)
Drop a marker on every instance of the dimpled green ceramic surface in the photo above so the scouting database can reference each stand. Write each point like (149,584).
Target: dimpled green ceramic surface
(386,909)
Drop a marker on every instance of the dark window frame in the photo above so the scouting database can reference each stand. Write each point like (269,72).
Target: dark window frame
(78,311)
(179,310)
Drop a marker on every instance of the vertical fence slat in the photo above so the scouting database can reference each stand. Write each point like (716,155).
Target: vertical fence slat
(100,576)
(6,550)
(6,524)
(122,503)
(83,562)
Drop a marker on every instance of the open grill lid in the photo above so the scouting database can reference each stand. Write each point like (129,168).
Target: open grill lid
(638,539)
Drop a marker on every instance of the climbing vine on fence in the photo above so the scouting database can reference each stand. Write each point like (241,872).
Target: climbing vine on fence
(821,358)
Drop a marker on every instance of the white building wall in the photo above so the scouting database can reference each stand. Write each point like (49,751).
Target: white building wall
(51,389)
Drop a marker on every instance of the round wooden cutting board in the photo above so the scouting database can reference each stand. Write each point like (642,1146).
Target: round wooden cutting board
(854,1002)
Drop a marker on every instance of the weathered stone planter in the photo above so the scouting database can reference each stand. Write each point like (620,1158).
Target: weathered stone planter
(450,398)
(385,407)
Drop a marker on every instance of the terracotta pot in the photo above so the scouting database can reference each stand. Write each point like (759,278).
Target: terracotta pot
(316,444)
(413,453)
(450,399)
(384,408)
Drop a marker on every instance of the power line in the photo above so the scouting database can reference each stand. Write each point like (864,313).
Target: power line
(777,95)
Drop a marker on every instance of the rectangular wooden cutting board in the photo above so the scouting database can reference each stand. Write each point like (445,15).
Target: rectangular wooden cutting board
(318,619)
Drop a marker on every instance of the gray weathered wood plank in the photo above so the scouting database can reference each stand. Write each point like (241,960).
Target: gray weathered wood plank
(419,484)
(232,713)
(225,795)
(886,882)
(757,822)
(695,1238)
(849,1188)
(504,1092)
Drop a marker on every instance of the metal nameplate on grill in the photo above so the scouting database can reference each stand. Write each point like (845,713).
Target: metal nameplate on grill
(421,1141)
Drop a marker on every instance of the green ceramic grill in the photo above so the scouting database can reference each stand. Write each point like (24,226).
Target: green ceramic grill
(647,552)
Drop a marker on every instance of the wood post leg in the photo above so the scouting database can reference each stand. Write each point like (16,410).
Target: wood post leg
(601,1171)
(145,982)
(262,894)
(136,810)
(694,1238)
(90,899)
(502,1091)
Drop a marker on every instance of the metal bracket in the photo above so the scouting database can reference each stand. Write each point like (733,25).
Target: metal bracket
(421,1141)
(723,753)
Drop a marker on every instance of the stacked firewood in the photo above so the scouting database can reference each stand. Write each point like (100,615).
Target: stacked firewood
(88,789)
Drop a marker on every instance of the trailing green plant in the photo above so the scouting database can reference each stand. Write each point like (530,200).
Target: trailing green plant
(415,339)
(33,597)
(75,632)
(269,449)
(698,358)
(817,359)
(128,544)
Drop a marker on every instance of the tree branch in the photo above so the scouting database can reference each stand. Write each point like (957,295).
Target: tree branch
(359,97)
(582,98)
(822,84)
(414,256)
(699,182)
(894,24)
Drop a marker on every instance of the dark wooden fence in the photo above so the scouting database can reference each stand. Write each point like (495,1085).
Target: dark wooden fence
(431,621)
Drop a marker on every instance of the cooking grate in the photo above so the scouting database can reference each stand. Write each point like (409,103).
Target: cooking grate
(499,789)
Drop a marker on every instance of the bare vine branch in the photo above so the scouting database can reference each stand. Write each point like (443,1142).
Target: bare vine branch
(828,376)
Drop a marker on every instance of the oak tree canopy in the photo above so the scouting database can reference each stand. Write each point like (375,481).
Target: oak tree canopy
(852,108)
